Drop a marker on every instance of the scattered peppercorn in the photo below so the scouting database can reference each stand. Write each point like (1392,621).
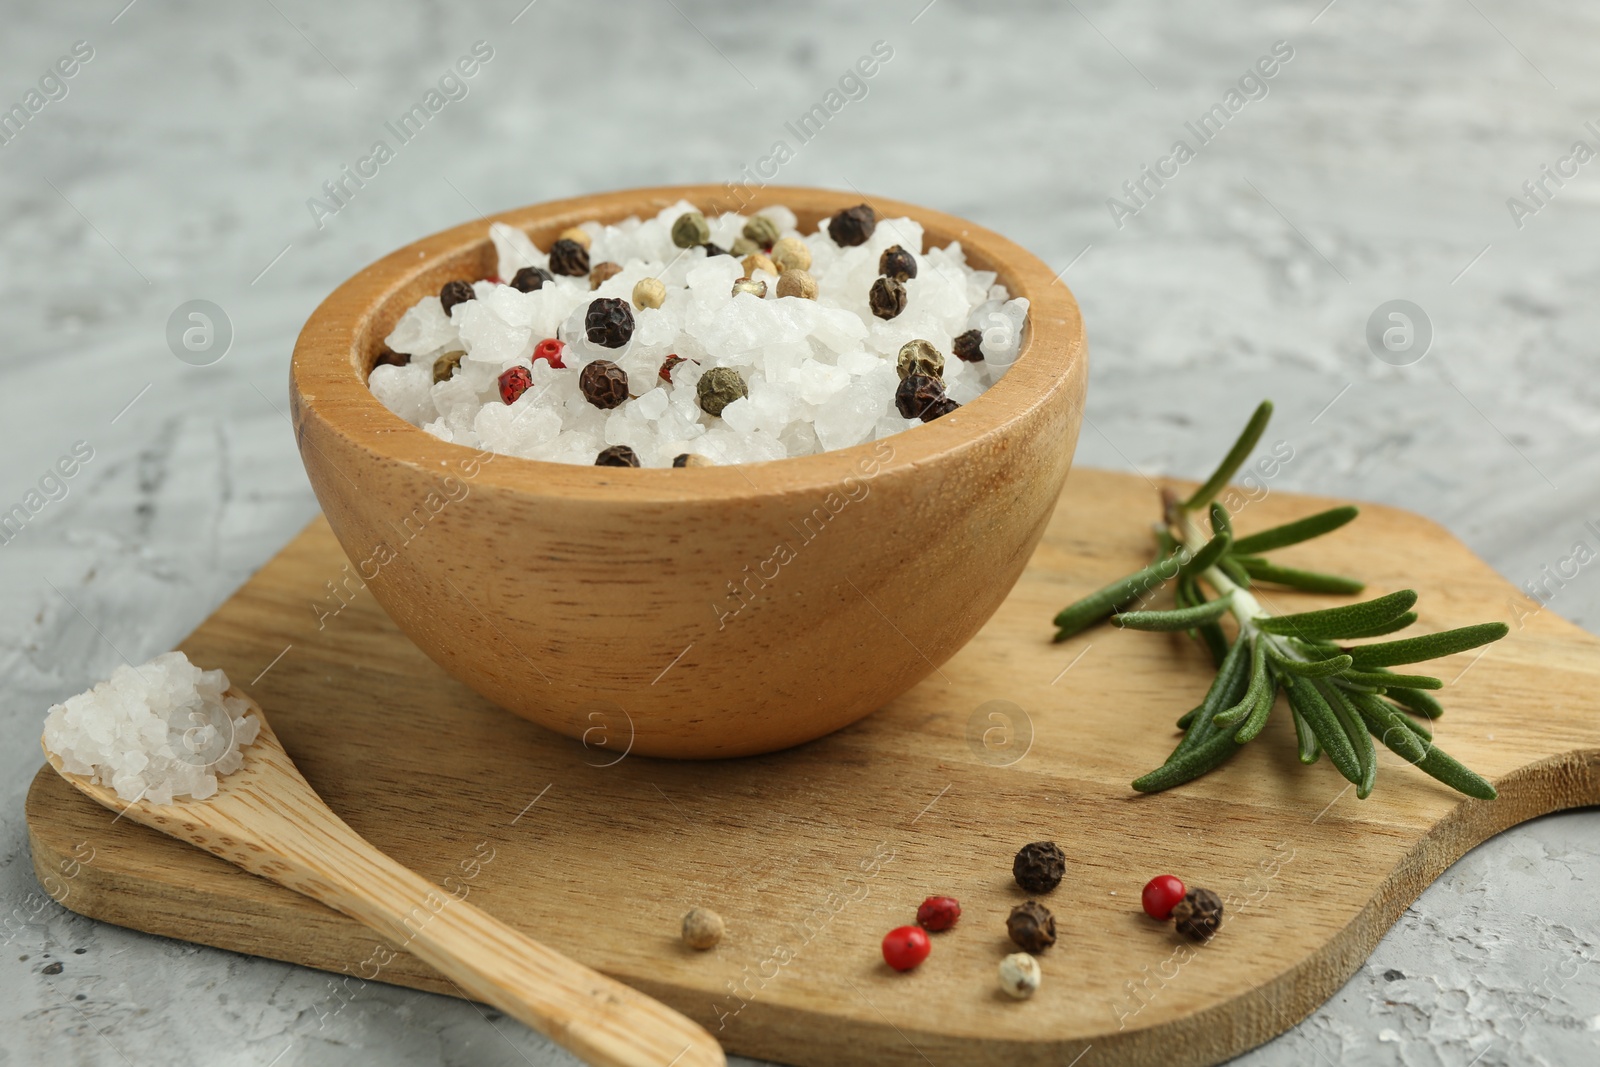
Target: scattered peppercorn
(1198,914)
(1031,926)
(602,273)
(919,357)
(529,279)
(791,253)
(897,263)
(690,229)
(969,346)
(603,383)
(577,235)
(1038,867)
(569,257)
(515,382)
(761,230)
(550,351)
(444,368)
(742,246)
(691,459)
(938,913)
(1019,975)
(758,261)
(649,293)
(390,358)
(797,283)
(853,225)
(917,392)
(702,927)
(608,322)
(887,298)
(1160,895)
(617,456)
(456,292)
(713,249)
(906,946)
(757,289)
(938,409)
(719,387)
(665,373)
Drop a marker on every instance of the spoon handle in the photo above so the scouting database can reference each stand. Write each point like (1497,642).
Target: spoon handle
(598,1019)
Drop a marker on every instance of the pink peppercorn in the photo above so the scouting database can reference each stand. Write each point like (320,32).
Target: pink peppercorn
(905,946)
(550,350)
(515,382)
(938,913)
(1161,894)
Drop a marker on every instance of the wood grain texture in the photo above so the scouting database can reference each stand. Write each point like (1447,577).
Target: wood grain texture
(558,590)
(265,819)
(813,853)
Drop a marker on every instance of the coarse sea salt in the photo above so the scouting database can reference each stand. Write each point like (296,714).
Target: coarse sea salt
(821,373)
(157,732)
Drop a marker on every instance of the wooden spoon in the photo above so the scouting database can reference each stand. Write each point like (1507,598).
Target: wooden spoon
(265,818)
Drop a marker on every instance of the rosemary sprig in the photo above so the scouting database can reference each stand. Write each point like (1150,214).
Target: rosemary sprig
(1340,697)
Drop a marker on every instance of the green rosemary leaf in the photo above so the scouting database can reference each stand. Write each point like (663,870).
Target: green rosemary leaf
(1431,646)
(1319,668)
(1384,679)
(1260,710)
(1412,724)
(1234,459)
(1208,554)
(1292,533)
(1399,622)
(1190,595)
(1226,688)
(1175,619)
(1188,717)
(1355,728)
(1398,733)
(1252,694)
(1220,522)
(1310,751)
(1230,566)
(1309,581)
(1103,602)
(1439,764)
(1305,698)
(1341,621)
(1189,766)
(1416,700)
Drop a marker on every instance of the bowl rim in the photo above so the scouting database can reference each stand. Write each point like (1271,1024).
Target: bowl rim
(328,372)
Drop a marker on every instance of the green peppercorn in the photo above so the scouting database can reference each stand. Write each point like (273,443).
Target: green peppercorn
(919,357)
(887,298)
(570,258)
(690,229)
(762,230)
(897,263)
(742,246)
(719,387)
(617,456)
(757,289)
(444,368)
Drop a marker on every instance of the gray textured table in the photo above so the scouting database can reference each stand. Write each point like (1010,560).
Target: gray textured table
(1375,164)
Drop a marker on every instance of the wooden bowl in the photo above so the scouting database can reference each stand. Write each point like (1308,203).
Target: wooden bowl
(697,612)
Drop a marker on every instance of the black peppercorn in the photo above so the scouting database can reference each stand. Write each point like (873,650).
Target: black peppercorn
(1198,914)
(969,346)
(1031,926)
(853,225)
(570,258)
(528,279)
(390,358)
(617,456)
(714,250)
(681,459)
(1038,867)
(604,384)
(690,459)
(916,393)
(608,322)
(943,406)
(456,292)
(897,263)
(887,298)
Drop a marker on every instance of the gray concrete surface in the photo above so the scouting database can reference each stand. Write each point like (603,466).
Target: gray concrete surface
(1378,166)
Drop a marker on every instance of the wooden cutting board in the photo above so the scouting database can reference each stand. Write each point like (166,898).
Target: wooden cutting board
(813,854)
